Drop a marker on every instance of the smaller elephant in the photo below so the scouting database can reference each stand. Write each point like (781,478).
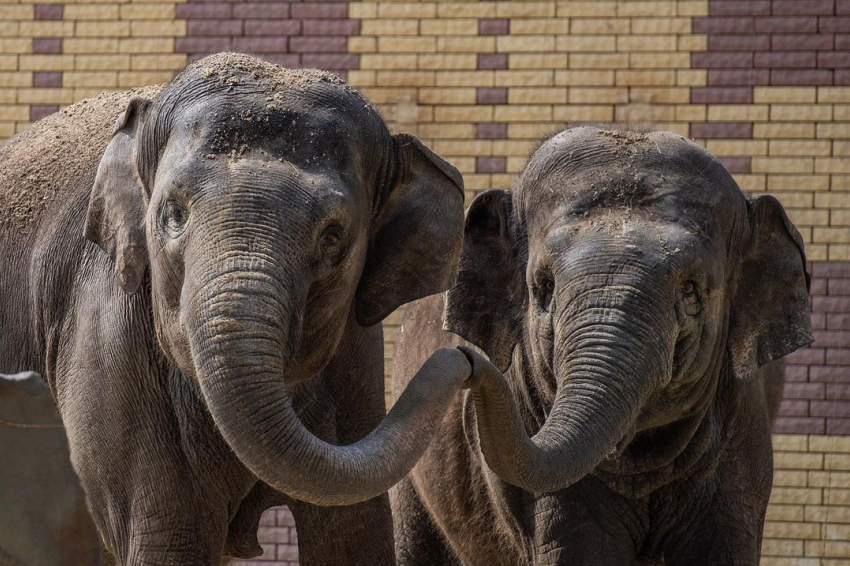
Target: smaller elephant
(43,513)
(635,300)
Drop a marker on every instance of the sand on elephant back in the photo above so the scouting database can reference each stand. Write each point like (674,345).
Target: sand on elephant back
(40,163)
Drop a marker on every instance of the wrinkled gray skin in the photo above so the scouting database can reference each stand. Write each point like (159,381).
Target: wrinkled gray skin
(629,291)
(44,518)
(202,291)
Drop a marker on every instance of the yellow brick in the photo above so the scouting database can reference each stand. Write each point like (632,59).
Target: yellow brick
(586,43)
(47,29)
(631,43)
(460,44)
(380,95)
(807,217)
(46,62)
(829,444)
(837,549)
(660,95)
(750,183)
(661,25)
(837,253)
(158,28)
(659,60)
(599,26)
(795,199)
(839,130)
(392,10)
(784,94)
(515,164)
(829,94)
(515,44)
(789,442)
(800,113)
(407,44)
(645,78)
(539,26)
(146,45)
(783,130)
(537,60)
(512,147)
(697,77)
(584,78)
(15,79)
(72,45)
(829,478)
(836,461)
(525,10)
(46,96)
(547,95)
(598,95)
(103,29)
(738,112)
(837,496)
(84,79)
(101,62)
(832,200)
(389,27)
(692,43)
(586,9)
(447,95)
(654,8)
(776,512)
(800,147)
(792,530)
(147,12)
(448,61)
(535,131)
(840,183)
(783,165)
(157,62)
(127,79)
(796,495)
(737,147)
(16,12)
(449,27)
(583,113)
(464,78)
(450,131)
(463,147)
(362,44)
(796,183)
(406,78)
(8,129)
(840,218)
(8,113)
(691,113)
(522,113)
(8,96)
(780,547)
(525,78)
(644,113)
(91,12)
(363,10)
(692,8)
(463,114)
(466,10)
(791,478)
(599,61)
(387,61)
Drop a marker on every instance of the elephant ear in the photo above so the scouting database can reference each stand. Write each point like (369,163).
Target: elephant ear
(116,206)
(416,235)
(483,305)
(770,309)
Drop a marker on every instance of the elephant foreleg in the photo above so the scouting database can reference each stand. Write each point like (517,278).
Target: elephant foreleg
(418,542)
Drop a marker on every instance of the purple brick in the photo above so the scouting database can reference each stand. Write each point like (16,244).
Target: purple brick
(839,391)
(838,286)
(331,27)
(334,61)
(829,339)
(492,131)
(278,44)
(818,321)
(796,373)
(842,41)
(804,391)
(794,408)
(807,357)
(722,95)
(491,164)
(275,535)
(838,357)
(793,42)
(723,25)
(721,130)
(202,44)
(267,518)
(737,164)
(39,111)
(486,95)
(49,11)
(803,7)
(722,60)
(837,426)
(204,11)
(829,374)
(287,552)
(311,10)
(803,59)
(738,77)
(207,28)
(799,425)
(833,25)
(738,42)
(842,7)
(830,408)
(831,269)
(492,26)
(801,77)
(834,59)
(272,27)
(493,61)
(786,25)
(47,45)
(739,8)
(265,10)
(47,79)
(840,322)
(318,45)
(819,286)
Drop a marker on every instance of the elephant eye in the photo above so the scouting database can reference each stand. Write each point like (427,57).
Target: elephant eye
(690,297)
(546,290)
(174,218)
(331,243)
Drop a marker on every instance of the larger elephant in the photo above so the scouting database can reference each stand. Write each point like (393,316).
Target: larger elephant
(630,292)
(202,286)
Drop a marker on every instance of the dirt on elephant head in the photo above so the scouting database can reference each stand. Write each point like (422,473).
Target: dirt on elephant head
(41,163)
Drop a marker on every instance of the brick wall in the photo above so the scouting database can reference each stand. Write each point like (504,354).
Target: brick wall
(764,84)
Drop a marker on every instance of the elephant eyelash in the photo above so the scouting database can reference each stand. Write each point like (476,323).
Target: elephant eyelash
(173,218)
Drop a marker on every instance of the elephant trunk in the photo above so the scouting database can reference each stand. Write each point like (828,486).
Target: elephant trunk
(610,355)
(243,328)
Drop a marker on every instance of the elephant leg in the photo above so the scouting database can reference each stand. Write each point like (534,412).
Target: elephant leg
(418,541)
(354,534)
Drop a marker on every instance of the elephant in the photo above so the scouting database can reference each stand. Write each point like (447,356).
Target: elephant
(202,287)
(43,514)
(628,296)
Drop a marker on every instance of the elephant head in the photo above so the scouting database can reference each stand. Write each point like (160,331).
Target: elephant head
(270,206)
(626,277)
